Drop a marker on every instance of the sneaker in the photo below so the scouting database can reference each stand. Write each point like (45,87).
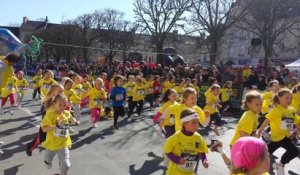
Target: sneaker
(1,152)
(1,144)
(278,169)
(266,137)
(11,112)
(95,125)
(115,127)
(28,152)
(71,130)
(48,165)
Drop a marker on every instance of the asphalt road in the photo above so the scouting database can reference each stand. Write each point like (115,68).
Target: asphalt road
(134,149)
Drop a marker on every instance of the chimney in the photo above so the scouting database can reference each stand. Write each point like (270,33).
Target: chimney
(25,19)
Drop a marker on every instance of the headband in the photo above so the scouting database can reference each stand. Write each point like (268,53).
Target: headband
(189,118)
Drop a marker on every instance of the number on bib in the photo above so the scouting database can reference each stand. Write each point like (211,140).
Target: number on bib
(287,123)
(62,131)
(190,164)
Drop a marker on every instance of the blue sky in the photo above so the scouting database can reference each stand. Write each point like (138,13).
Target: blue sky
(58,10)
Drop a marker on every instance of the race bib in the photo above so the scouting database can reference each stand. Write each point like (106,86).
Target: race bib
(46,86)
(98,102)
(9,87)
(62,131)
(190,164)
(141,92)
(21,88)
(130,88)
(172,119)
(77,91)
(119,97)
(287,123)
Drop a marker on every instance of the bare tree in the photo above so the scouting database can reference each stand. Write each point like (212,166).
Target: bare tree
(159,17)
(116,33)
(214,17)
(269,20)
(87,23)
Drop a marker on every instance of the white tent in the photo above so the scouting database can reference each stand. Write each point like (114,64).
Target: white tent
(294,65)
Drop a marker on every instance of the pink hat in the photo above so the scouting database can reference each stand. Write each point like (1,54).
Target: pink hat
(246,152)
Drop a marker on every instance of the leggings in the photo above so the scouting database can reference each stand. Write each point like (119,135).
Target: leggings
(95,114)
(11,99)
(118,111)
(290,153)
(133,104)
(36,91)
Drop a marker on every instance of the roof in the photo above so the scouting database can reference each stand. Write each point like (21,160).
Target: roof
(14,30)
(34,25)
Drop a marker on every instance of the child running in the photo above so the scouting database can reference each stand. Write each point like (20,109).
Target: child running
(186,147)
(168,100)
(9,92)
(139,91)
(118,97)
(35,80)
(226,93)
(281,119)
(41,137)
(97,98)
(249,121)
(56,124)
(22,86)
(46,82)
(212,105)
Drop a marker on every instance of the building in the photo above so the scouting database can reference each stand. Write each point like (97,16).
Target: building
(242,46)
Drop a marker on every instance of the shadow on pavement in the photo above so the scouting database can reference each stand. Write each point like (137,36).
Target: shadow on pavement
(149,166)
(18,146)
(12,170)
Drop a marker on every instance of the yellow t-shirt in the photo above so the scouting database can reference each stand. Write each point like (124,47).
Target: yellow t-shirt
(167,85)
(225,94)
(78,89)
(6,72)
(210,98)
(179,90)
(59,138)
(149,86)
(166,105)
(96,97)
(139,92)
(296,102)
(282,121)
(246,72)
(10,87)
(86,87)
(35,80)
(22,85)
(72,97)
(129,87)
(247,123)
(173,115)
(267,98)
(45,85)
(184,146)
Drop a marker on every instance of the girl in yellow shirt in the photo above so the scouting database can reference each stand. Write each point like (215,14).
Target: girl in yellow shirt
(249,121)
(22,86)
(129,87)
(168,100)
(77,86)
(46,82)
(56,124)
(97,97)
(8,92)
(138,97)
(86,87)
(282,120)
(179,90)
(149,92)
(212,105)
(184,157)
(226,93)
(170,83)
(35,81)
